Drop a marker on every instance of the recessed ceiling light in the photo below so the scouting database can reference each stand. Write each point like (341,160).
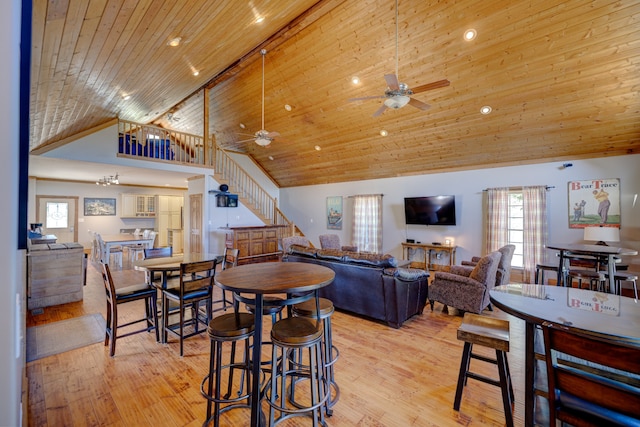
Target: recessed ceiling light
(485,110)
(287,107)
(174,41)
(196,72)
(126,97)
(242,126)
(317,147)
(270,157)
(384,132)
(470,34)
(355,80)
(259,19)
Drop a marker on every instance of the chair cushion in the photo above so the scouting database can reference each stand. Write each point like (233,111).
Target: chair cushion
(485,266)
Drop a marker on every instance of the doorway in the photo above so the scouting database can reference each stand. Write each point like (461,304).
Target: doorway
(195,223)
(59,216)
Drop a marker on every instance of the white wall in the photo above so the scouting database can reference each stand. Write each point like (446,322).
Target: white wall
(12,297)
(100,224)
(306,206)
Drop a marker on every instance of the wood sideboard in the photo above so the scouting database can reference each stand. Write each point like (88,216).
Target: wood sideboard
(434,257)
(256,243)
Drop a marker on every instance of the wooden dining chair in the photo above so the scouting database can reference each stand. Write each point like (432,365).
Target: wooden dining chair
(124,295)
(196,287)
(162,252)
(229,260)
(592,380)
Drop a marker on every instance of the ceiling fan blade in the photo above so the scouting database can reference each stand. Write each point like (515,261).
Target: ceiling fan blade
(273,134)
(419,104)
(380,110)
(392,81)
(246,140)
(365,97)
(432,85)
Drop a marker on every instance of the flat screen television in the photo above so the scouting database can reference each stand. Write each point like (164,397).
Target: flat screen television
(431,210)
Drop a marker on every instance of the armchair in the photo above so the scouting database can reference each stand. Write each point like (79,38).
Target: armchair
(503,275)
(332,241)
(464,288)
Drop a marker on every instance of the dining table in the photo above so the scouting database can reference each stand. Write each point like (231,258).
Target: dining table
(112,240)
(299,281)
(609,315)
(606,253)
(168,265)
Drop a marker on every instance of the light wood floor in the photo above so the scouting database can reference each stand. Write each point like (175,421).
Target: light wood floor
(387,377)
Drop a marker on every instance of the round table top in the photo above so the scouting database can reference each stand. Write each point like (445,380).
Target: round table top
(171,263)
(615,316)
(275,277)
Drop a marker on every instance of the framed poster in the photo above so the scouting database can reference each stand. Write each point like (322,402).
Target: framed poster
(334,213)
(99,207)
(595,201)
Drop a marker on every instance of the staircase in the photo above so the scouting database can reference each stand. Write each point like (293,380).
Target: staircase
(249,192)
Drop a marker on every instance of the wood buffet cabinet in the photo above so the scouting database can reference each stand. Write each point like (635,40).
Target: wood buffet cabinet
(256,243)
(434,257)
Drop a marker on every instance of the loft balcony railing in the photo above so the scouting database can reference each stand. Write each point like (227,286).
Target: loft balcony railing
(154,143)
(147,142)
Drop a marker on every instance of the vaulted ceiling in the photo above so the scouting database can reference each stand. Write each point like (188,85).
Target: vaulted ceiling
(562,79)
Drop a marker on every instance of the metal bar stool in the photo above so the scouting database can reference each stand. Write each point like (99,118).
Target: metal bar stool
(541,268)
(233,328)
(291,334)
(596,279)
(626,276)
(331,353)
(493,333)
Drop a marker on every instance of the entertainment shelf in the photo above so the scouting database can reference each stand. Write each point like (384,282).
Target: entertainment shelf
(436,257)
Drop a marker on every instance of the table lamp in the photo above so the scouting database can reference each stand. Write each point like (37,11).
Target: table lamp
(602,234)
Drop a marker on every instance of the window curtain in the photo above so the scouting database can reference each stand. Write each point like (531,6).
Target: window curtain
(366,231)
(497,224)
(534,203)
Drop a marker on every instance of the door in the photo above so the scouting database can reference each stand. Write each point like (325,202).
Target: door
(59,216)
(195,216)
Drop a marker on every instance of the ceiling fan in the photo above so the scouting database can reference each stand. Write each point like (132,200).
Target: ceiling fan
(263,137)
(399,94)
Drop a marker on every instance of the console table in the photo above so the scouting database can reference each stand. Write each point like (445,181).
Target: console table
(256,243)
(431,254)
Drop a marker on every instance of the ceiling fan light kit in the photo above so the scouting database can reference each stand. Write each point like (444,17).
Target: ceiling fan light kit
(397,101)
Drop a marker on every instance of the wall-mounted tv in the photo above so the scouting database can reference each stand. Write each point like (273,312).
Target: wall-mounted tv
(431,210)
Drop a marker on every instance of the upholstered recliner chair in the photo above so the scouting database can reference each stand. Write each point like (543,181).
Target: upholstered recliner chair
(464,288)
(332,241)
(503,275)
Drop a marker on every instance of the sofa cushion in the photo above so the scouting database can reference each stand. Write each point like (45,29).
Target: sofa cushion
(303,250)
(330,254)
(371,260)
(406,273)
(484,266)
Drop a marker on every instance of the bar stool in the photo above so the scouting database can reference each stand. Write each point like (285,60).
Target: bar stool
(292,334)
(331,353)
(595,278)
(493,333)
(541,268)
(626,276)
(233,328)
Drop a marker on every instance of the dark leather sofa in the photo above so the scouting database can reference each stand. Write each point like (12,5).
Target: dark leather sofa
(368,284)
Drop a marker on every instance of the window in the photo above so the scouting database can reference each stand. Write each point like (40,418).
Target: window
(367,223)
(57,215)
(515,235)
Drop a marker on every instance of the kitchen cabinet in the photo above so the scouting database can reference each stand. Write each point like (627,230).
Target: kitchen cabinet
(169,218)
(138,206)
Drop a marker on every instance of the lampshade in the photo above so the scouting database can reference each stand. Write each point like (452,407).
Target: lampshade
(602,234)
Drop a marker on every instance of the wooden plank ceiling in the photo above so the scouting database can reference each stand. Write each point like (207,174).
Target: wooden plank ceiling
(562,78)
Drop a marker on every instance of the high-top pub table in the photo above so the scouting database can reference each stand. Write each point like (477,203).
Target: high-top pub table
(291,278)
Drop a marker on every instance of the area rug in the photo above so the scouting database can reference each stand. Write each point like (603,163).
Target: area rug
(58,337)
